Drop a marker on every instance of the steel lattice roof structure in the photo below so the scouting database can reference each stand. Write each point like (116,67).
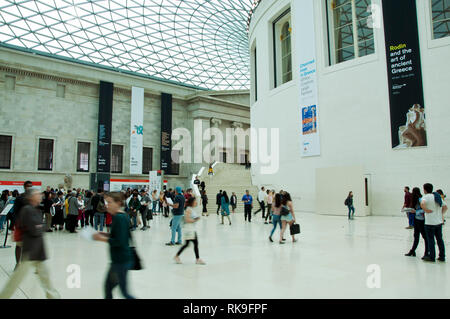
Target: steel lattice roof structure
(198,43)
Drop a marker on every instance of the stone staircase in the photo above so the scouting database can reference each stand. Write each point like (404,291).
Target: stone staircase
(230,178)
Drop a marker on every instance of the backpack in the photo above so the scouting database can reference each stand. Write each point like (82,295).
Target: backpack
(101,206)
(346,202)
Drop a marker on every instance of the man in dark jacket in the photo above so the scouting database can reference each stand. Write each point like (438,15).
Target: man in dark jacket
(219,201)
(19,203)
(33,249)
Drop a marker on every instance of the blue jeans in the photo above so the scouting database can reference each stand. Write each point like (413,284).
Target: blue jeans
(154,203)
(432,232)
(176,228)
(2,221)
(117,275)
(276,219)
(411,218)
(98,220)
(351,211)
(134,219)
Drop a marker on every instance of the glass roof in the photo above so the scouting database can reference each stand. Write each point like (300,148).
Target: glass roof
(200,43)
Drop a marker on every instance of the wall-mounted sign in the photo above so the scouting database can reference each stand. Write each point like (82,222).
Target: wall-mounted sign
(104,127)
(404,70)
(136,130)
(305,35)
(166,133)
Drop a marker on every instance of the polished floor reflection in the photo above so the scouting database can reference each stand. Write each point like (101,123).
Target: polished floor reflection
(330,260)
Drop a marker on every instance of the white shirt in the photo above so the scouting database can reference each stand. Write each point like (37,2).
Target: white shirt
(261,196)
(434,218)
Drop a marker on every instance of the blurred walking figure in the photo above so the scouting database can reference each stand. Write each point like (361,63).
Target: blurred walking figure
(33,250)
(225,207)
(190,232)
(19,202)
(119,246)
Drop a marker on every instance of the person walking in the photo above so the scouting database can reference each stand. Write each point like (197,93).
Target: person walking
(219,201)
(72,216)
(349,204)
(3,204)
(287,216)
(261,198)
(33,248)
(248,205)
(155,202)
(419,224)
(178,213)
(225,207)
(133,208)
(434,209)
(99,207)
(233,202)
(19,201)
(48,203)
(204,198)
(58,204)
(119,247)
(190,232)
(89,211)
(276,215)
(407,208)
(269,197)
(145,210)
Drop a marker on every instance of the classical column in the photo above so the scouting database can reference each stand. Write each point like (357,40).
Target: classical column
(215,122)
(236,125)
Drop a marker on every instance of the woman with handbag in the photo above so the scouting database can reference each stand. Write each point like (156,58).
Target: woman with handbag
(119,246)
(287,215)
(276,215)
(189,231)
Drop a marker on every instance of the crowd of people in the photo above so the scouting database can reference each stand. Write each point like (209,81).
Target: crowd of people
(425,215)
(34,212)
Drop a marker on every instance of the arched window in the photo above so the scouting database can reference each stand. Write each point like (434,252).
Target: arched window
(286,52)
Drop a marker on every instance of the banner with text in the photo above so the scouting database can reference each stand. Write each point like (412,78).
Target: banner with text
(104,127)
(166,133)
(404,69)
(155,181)
(137,130)
(306,48)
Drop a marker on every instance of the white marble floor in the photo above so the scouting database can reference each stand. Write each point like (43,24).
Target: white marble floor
(329,260)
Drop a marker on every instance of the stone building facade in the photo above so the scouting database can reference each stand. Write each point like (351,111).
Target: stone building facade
(46,98)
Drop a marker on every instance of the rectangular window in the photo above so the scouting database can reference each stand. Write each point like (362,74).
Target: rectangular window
(349,33)
(83,152)
(10,82)
(45,158)
(60,91)
(282,39)
(5,151)
(175,162)
(117,159)
(147,160)
(440,10)
(255,73)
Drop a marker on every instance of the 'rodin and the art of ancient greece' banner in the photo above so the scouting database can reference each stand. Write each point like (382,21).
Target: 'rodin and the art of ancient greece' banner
(404,74)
